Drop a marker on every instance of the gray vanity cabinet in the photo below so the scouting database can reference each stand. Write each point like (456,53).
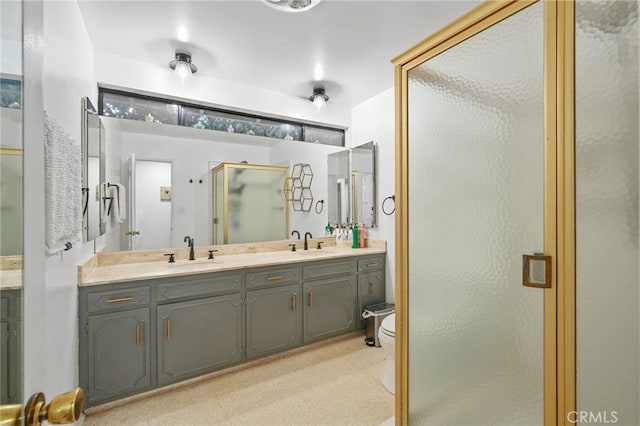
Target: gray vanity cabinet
(329,291)
(371,284)
(198,336)
(10,354)
(119,354)
(274,319)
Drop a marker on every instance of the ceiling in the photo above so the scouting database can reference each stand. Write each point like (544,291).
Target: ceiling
(346,45)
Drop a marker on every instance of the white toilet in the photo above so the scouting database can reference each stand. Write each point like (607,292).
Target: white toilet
(387,337)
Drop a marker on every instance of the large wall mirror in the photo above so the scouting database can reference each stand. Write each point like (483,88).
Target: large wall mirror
(11,208)
(93,223)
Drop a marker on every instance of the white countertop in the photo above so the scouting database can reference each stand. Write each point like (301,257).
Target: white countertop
(11,279)
(150,270)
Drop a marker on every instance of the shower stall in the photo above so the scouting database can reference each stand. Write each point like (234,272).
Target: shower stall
(249,203)
(518,135)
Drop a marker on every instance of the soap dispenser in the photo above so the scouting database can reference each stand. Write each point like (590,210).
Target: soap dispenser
(356,240)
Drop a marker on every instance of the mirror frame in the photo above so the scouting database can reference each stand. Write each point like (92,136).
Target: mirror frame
(88,112)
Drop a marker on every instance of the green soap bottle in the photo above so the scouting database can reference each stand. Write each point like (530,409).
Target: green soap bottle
(354,236)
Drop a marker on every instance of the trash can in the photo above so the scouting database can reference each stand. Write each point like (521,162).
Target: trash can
(373,315)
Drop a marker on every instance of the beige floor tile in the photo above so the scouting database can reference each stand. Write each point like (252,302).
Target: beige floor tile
(335,383)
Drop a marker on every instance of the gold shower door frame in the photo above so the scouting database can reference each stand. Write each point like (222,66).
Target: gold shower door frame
(559,193)
(225,197)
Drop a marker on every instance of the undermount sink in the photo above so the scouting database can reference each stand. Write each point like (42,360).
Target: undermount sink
(315,252)
(201,261)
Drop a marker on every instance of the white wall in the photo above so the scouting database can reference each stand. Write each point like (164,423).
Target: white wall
(67,76)
(373,120)
(159,78)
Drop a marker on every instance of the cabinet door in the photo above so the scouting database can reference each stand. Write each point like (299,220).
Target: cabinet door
(329,307)
(274,319)
(198,336)
(4,362)
(118,354)
(371,290)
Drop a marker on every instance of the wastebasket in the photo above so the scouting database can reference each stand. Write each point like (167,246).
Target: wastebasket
(373,315)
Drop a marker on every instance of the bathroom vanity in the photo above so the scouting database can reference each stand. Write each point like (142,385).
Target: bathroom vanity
(149,324)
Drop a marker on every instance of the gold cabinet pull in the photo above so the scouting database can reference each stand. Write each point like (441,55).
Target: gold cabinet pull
(371,265)
(371,289)
(168,329)
(274,278)
(293,303)
(310,299)
(138,334)
(120,299)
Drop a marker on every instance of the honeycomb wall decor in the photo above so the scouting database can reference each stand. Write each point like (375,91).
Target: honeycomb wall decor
(297,187)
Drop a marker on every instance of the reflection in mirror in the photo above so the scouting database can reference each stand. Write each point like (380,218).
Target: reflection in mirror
(363,171)
(338,190)
(249,203)
(93,224)
(11,208)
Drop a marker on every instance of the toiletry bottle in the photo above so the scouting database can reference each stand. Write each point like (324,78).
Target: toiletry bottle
(356,240)
(361,236)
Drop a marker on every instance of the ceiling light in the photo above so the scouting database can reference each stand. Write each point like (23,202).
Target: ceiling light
(318,98)
(291,5)
(182,65)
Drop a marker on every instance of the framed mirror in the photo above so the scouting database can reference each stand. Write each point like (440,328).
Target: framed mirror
(339,188)
(363,174)
(93,173)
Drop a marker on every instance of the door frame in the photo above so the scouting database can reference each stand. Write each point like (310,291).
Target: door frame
(559,193)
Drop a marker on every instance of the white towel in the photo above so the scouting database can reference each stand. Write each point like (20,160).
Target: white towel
(119,194)
(63,187)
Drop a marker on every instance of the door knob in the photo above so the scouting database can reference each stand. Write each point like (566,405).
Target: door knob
(64,408)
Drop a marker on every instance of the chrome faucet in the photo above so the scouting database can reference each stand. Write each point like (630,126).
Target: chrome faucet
(295,232)
(189,241)
(306,246)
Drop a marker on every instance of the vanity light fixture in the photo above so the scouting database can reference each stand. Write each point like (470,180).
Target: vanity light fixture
(319,98)
(291,5)
(182,65)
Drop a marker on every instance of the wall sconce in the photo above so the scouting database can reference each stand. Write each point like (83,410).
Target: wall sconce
(182,65)
(318,98)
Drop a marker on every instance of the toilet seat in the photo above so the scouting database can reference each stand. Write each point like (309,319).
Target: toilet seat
(388,326)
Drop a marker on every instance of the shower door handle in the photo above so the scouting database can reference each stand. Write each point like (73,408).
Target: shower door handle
(536,270)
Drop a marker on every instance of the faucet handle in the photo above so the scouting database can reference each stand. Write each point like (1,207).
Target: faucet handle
(211,253)
(293,247)
(172,257)
(319,246)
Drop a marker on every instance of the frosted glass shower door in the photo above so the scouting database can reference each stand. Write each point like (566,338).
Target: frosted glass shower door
(607,299)
(475,206)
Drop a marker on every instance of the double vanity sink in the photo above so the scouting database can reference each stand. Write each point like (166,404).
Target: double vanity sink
(145,323)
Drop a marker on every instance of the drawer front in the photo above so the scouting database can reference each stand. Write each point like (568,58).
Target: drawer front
(273,276)
(116,299)
(330,268)
(208,285)
(372,263)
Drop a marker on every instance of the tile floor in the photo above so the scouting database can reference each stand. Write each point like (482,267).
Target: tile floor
(335,382)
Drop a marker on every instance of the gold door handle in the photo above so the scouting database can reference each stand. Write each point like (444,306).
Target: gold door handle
(293,303)
(274,278)
(371,265)
(120,299)
(64,408)
(371,289)
(310,299)
(168,329)
(138,334)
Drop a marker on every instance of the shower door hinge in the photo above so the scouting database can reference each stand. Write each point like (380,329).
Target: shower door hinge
(536,270)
